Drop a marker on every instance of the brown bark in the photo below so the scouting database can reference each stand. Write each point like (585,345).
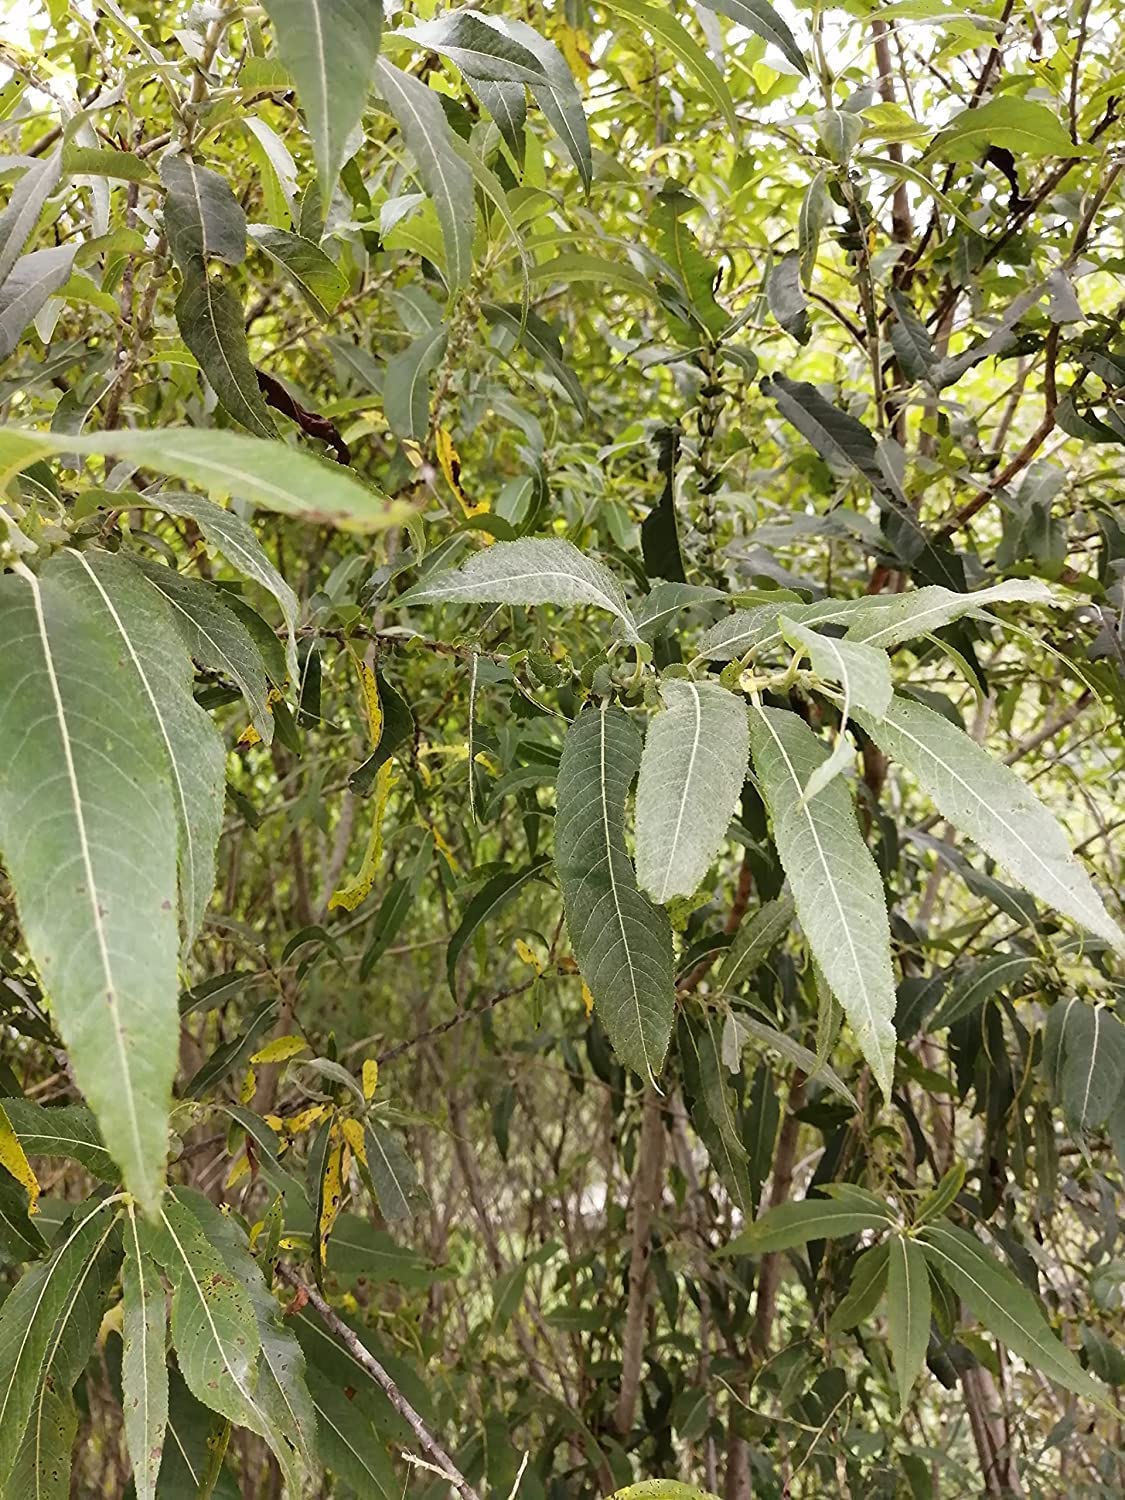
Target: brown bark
(648,1178)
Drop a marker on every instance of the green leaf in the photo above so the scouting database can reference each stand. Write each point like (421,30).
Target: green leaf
(330,47)
(622,942)
(194,1450)
(231,536)
(270,474)
(834,880)
(20,1238)
(662,1489)
(794,1052)
(104,935)
(210,320)
(532,570)
(786,299)
(492,897)
(406,384)
(558,98)
(837,436)
(695,273)
(908,1312)
(214,635)
(507,104)
(316,276)
(480,47)
(399,900)
(349,1445)
(540,340)
(901,617)
(910,338)
(141,626)
(754,941)
(989,802)
(765,22)
(792,1224)
(692,769)
(398,727)
(281,1393)
(995,1296)
(28,285)
(202,217)
(66,1131)
(1028,130)
(144,1368)
(33,1318)
(21,213)
(43,1464)
(979,984)
(816,211)
(666,600)
(943,1195)
(214,1330)
(866,1288)
(662,25)
(445,176)
(1085,1055)
(397,1188)
(105,161)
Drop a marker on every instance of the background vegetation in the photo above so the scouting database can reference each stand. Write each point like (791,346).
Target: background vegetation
(712,313)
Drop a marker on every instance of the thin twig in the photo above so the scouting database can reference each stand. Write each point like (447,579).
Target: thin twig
(363,1357)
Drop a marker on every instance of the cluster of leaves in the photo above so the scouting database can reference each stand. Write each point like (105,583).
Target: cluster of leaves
(761,485)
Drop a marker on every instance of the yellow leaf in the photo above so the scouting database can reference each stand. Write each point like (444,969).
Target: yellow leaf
(450,857)
(587,999)
(298,1124)
(575,47)
(489,762)
(249,1087)
(275,1123)
(13,1160)
(529,956)
(450,462)
(240,1169)
(349,896)
(369,687)
(279,1049)
(332,1193)
(353,1134)
(370,1078)
(250,735)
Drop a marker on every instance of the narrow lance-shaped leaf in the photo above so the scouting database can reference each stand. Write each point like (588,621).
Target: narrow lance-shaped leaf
(1004,1305)
(139,623)
(910,338)
(865,676)
(479,47)
(270,474)
(21,213)
(93,861)
(692,769)
(214,636)
(558,98)
(28,1321)
(406,384)
(281,1393)
(754,940)
(622,942)
(786,299)
(529,571)
(210,320)
(989,802)
(791,1224)
(903,617)
(202,217)
(663,25)
(761,18)
(30,282)
(317,277)
(144,1368)
(908,1312)
(214,1329)
(834,880)
(66,1131)
(330,47)
(397,1188)
(446,178)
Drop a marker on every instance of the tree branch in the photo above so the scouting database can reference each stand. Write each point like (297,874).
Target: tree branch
(648,1176)
(362,1356)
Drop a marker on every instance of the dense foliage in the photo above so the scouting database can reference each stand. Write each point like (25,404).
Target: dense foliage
(561,649)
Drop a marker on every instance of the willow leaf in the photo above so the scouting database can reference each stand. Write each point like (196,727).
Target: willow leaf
(908,1312)
(989,802)
(144,1368)
(834,880)
(623,943)
(692,770)
(88,832)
